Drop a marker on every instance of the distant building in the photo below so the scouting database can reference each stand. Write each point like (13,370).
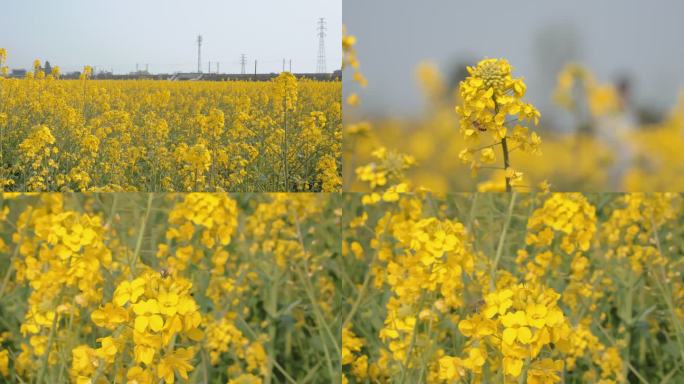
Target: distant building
(18,73)
(186,77)
(143,74)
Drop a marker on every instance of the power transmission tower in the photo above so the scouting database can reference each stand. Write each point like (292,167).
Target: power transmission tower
(320,66)
(243,62)
(199,53)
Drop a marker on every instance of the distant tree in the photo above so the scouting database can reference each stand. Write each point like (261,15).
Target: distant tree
(48,68)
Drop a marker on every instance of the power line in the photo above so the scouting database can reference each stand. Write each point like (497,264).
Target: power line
(199,53)
(320,65)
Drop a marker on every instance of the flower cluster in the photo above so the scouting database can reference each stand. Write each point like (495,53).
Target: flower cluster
(386,176)
(61,255)
(3,56)
(433,254)
(37,154)
(350,59)
(210,218)
(285,93)
(420,262)
(632,230)
(153,321)
(518,326)
(488,97)
(567,215)
(195,162)
(601,99)
(330,179)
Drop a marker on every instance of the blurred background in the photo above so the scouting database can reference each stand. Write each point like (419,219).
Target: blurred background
(618,39)
(621,57)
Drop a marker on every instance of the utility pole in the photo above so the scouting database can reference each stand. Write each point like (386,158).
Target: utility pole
(243,62)
(320,66)
(199,53)
(290,65)
(283,65)
(218,63)
(255,67)
(209,66)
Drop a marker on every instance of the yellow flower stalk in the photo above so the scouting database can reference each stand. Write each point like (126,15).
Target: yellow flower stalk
(492,111)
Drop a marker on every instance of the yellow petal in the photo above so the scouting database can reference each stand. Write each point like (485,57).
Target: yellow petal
(513,367)
(156,323)
(141,323)
(509,335)
(524,335)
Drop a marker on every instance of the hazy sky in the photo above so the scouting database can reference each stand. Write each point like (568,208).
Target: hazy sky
(162,33)
(640,38)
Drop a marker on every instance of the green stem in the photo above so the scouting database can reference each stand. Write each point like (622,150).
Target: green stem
(138,243)
(507,164)
(502,238)
(45,358)
(272,310)
(366,279)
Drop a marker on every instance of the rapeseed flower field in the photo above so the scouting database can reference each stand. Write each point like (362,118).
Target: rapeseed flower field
(513,288)
(150,288)
(147,135)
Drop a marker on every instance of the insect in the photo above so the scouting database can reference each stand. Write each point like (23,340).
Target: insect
(476,306)
(164,273)
(479,126)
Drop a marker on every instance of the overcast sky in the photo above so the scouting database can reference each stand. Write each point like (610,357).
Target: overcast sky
(639,38)
(117,34)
